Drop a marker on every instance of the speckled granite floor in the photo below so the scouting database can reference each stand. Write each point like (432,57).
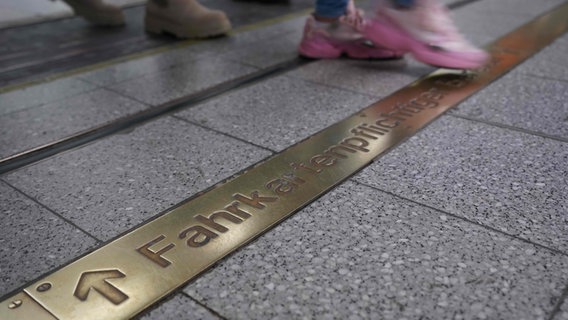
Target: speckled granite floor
(468,219)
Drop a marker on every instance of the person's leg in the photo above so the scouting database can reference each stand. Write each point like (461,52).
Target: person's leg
(97,12)
(425,29)
(334,29)
(185,19)
(330,11)
(403,3)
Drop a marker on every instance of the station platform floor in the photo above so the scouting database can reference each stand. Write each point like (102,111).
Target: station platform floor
(466,219)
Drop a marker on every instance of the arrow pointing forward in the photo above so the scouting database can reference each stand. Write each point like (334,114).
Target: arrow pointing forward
(98,281)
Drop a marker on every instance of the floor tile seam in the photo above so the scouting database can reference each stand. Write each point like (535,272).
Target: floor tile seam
(509,127)
(58,215)
(154,111)
(253,42)
(88,68)
(190,58)
(532,75)
(140,76)
(167,48)
(252,45)
(162,49)
(97,87)
(146,53)
(185,97)
(251,65)
(129,97)
(204,305)
(59,16)
(34,200)
(484,226)
(563,299)
(461,3)
(338,88)
(177,117)
(111,87)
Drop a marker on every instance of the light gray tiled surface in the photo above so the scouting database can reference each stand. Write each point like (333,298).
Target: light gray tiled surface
(33,240)
(494,24)
(522,101)
(246,46)
(550,63)
(563,314)
(271,52)
(116,183)
(138,67)
(504,179)
(377,78)
(529,8)
(178,307)
(277,112)
(191,77)
(255,40)
(42,93)
(499,17)
(22,130)
(358,253)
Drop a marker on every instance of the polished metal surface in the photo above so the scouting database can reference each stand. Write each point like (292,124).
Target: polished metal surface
(22,306)
(122,278)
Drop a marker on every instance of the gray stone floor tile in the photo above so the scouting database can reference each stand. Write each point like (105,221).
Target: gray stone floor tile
(178,307)
(192,77)
(563,314)
(22,130)
(278,112)
(116,183)
(138,67)
(378,78)
(550,63)
(41,94)
(257,39)
(33,240)
(274,51)
(483,27)
(504,179)
(179,57)
(522,101)
(529,8)
(484,21)
(358,253)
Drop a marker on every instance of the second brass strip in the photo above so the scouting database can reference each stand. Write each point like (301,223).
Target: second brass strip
(124,277)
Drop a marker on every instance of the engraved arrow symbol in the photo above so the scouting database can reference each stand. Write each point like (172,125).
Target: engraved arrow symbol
(98,281)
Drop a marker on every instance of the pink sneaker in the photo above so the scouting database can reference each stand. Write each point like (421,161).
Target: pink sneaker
(426,31)
(331,40)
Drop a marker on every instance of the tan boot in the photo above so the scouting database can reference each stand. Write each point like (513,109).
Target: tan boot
(97,12)
(185,19)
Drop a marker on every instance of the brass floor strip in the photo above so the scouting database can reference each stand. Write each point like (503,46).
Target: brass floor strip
(122,278)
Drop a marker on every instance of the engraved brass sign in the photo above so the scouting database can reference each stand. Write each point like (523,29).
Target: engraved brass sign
(98,280)
(122,278)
